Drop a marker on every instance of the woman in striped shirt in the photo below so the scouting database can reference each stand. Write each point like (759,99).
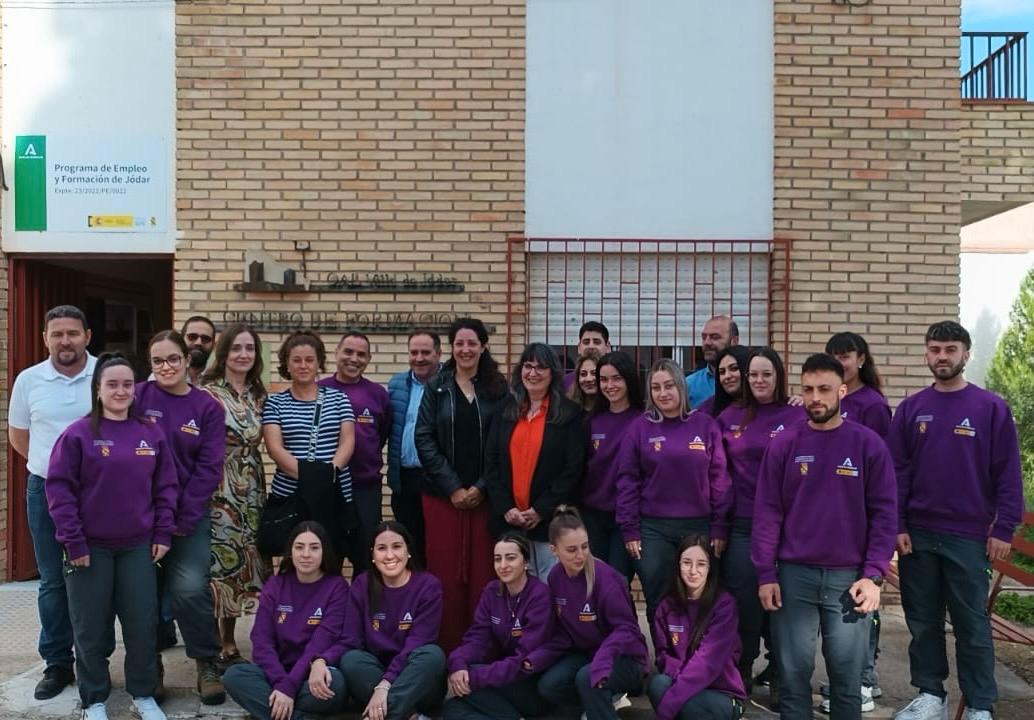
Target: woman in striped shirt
(287,422)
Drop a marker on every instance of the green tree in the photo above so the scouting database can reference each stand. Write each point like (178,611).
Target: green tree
(1011,375)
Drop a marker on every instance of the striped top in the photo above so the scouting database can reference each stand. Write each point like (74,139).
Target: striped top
(294,417)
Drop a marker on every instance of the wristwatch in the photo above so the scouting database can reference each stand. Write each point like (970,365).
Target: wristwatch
(877,580)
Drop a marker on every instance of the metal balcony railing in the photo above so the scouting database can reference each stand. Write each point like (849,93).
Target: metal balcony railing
(997,66)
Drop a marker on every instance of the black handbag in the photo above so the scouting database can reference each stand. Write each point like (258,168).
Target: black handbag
(317,498)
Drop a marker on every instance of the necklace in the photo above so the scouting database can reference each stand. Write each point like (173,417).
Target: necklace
(516,604)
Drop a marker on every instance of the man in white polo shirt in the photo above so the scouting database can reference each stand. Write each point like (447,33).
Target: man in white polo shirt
(46,399)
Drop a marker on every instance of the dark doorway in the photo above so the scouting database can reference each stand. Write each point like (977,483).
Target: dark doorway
(125,301)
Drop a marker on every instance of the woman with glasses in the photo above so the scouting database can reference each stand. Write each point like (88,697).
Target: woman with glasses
(195,426)
(536,453)
(457,410)
(238,571)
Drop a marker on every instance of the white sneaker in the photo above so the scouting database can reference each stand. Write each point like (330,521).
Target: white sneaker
(924,707)
(972,714)
(147,709)
(867,702)
(622,701)
(97,711)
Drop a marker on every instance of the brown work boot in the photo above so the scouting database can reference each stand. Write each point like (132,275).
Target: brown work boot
(209,684)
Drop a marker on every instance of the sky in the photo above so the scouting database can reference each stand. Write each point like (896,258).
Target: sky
(1002,15)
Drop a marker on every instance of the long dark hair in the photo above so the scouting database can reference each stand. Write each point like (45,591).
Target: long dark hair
(845,342)
(488,376)
(222,351)
(104,362)
(375,581)
(328,563)
(780,397)
(723,399)
(543,355)
(521,542)
(708,597)
(626,368)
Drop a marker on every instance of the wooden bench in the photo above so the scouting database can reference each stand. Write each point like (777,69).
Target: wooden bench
(1001,629)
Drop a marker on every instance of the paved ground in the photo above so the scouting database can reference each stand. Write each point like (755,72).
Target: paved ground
(20,669)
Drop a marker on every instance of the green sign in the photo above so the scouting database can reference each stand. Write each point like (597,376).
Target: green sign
(30,182)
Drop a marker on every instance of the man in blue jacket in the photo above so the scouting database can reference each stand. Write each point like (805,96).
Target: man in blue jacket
(405,475)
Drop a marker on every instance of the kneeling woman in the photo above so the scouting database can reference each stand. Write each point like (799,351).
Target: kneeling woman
(495,669)
(111,490)
(300,614)
(698,647)
(602,652)
(392,666)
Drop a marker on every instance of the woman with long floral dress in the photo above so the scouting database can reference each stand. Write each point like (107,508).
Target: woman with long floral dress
(238,571)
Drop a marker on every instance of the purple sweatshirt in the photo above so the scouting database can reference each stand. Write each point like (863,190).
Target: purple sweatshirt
(604,624)
(409,617)
(195,426)
(507,631)
(606,430)
(711,667)
(958,464)
(372,408)
(745,444)
(116,489)
(868,407)
(296,623)
(673,469)
(825,498)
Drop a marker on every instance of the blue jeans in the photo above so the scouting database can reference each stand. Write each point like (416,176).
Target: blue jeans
(705,705)
(660,539)
(188,566)
(606,541)
(55,635)
(420,687)
(741,580)
(948,572)
(567,682)
(814,600)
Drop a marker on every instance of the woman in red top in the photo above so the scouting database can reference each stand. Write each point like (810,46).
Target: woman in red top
(536,453)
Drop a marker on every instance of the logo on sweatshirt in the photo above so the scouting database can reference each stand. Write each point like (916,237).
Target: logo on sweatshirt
(190,428)
(964,428)
(406,622)
(697,444)
(152,415)
(587,614)
(777,431)
(496,620)
(561,603)
(105,446)
(376,623)
(802,461)
(596,437)
(144,449)
(365,417)
(847,468)
(516,631)
(737,431)
(676,631)
(282,611)
(657,442)
(316,617)
(922,421)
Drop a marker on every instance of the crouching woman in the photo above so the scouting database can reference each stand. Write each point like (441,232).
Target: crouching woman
(698,646)
(300,615)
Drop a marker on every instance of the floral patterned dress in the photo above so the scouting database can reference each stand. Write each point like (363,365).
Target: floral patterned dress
(237,569)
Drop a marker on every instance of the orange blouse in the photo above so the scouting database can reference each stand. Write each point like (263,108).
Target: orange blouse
(525,445)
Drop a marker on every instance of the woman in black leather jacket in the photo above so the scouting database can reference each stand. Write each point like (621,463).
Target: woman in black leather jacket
(457,410)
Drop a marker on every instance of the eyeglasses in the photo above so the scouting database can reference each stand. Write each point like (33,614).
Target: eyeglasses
(530,367)
(173,361)
(195,337)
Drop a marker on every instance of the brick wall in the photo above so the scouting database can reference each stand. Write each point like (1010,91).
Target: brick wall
(997,149)
(867,183)
(387,134)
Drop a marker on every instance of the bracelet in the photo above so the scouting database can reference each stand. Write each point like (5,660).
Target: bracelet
(383,685)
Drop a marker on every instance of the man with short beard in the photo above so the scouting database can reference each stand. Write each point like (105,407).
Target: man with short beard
(200,335)
(719,333)
(960,499)
(823,536)
(45,400)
